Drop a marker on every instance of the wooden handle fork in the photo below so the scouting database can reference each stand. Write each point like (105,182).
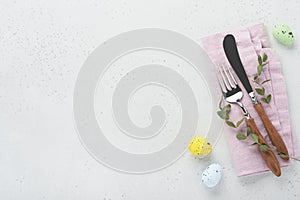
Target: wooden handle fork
(268,155)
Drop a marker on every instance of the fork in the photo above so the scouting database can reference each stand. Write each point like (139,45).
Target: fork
(233,95)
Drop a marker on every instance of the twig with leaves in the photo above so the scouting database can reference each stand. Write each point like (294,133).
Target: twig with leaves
(262,61)
(224,111)
(262,146)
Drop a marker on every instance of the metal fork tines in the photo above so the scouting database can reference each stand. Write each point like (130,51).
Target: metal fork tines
(230,88)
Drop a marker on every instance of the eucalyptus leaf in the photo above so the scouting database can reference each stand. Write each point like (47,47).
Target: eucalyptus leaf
(259,59)
(223,115)
(241,136)
(254,138)
(264,100)
(263,147)
(239,122)
(260,91)
(227,108)
(227,116)
(231,124)
(282,155)
(269,98)
(265,57)
(259,69)
(255,77)
(248,131)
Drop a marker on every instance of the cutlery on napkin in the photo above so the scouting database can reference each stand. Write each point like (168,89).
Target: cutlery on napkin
(251,42)
(233,57)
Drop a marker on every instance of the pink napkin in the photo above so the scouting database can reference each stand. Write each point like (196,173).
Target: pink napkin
(251,42)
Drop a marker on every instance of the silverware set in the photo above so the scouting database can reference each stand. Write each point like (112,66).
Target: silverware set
(233,94)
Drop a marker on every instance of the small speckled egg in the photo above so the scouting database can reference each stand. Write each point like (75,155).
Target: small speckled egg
(199,146)
(211,176)
(283,34)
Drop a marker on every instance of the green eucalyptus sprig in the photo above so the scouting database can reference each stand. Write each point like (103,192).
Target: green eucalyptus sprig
(262,61)
(254,137)
(262,146)
(223,113)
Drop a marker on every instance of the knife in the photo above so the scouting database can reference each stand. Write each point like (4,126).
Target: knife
(230,48)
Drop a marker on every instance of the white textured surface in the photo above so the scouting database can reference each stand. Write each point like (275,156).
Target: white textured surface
(42,47)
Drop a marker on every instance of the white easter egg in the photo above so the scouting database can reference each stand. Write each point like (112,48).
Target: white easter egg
(211,176)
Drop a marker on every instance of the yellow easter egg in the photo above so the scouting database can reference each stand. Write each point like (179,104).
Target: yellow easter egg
(199,146)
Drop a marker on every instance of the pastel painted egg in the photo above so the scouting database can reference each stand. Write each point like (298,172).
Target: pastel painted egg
(211,176)
(283,34)
(199,146)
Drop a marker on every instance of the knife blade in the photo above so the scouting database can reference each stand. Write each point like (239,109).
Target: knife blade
(232,54)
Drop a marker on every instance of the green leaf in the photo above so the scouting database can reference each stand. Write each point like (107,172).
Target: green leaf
(241,136)
(267,100)
(259,59)
(239,122)
(265,81)
(223,115)
(263,147)
(269,97)
(282,155)
(253,144)
(227,108)
(255,77)
(264,64)
(260,91)
(231,124)
(227,116)
(264,100)
(259,69)
(254,138)
(248,131)
(265,57)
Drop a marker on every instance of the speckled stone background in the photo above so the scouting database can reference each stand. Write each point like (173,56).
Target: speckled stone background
(43,44)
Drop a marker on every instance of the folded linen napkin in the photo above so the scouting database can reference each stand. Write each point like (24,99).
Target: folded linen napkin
(251,42)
